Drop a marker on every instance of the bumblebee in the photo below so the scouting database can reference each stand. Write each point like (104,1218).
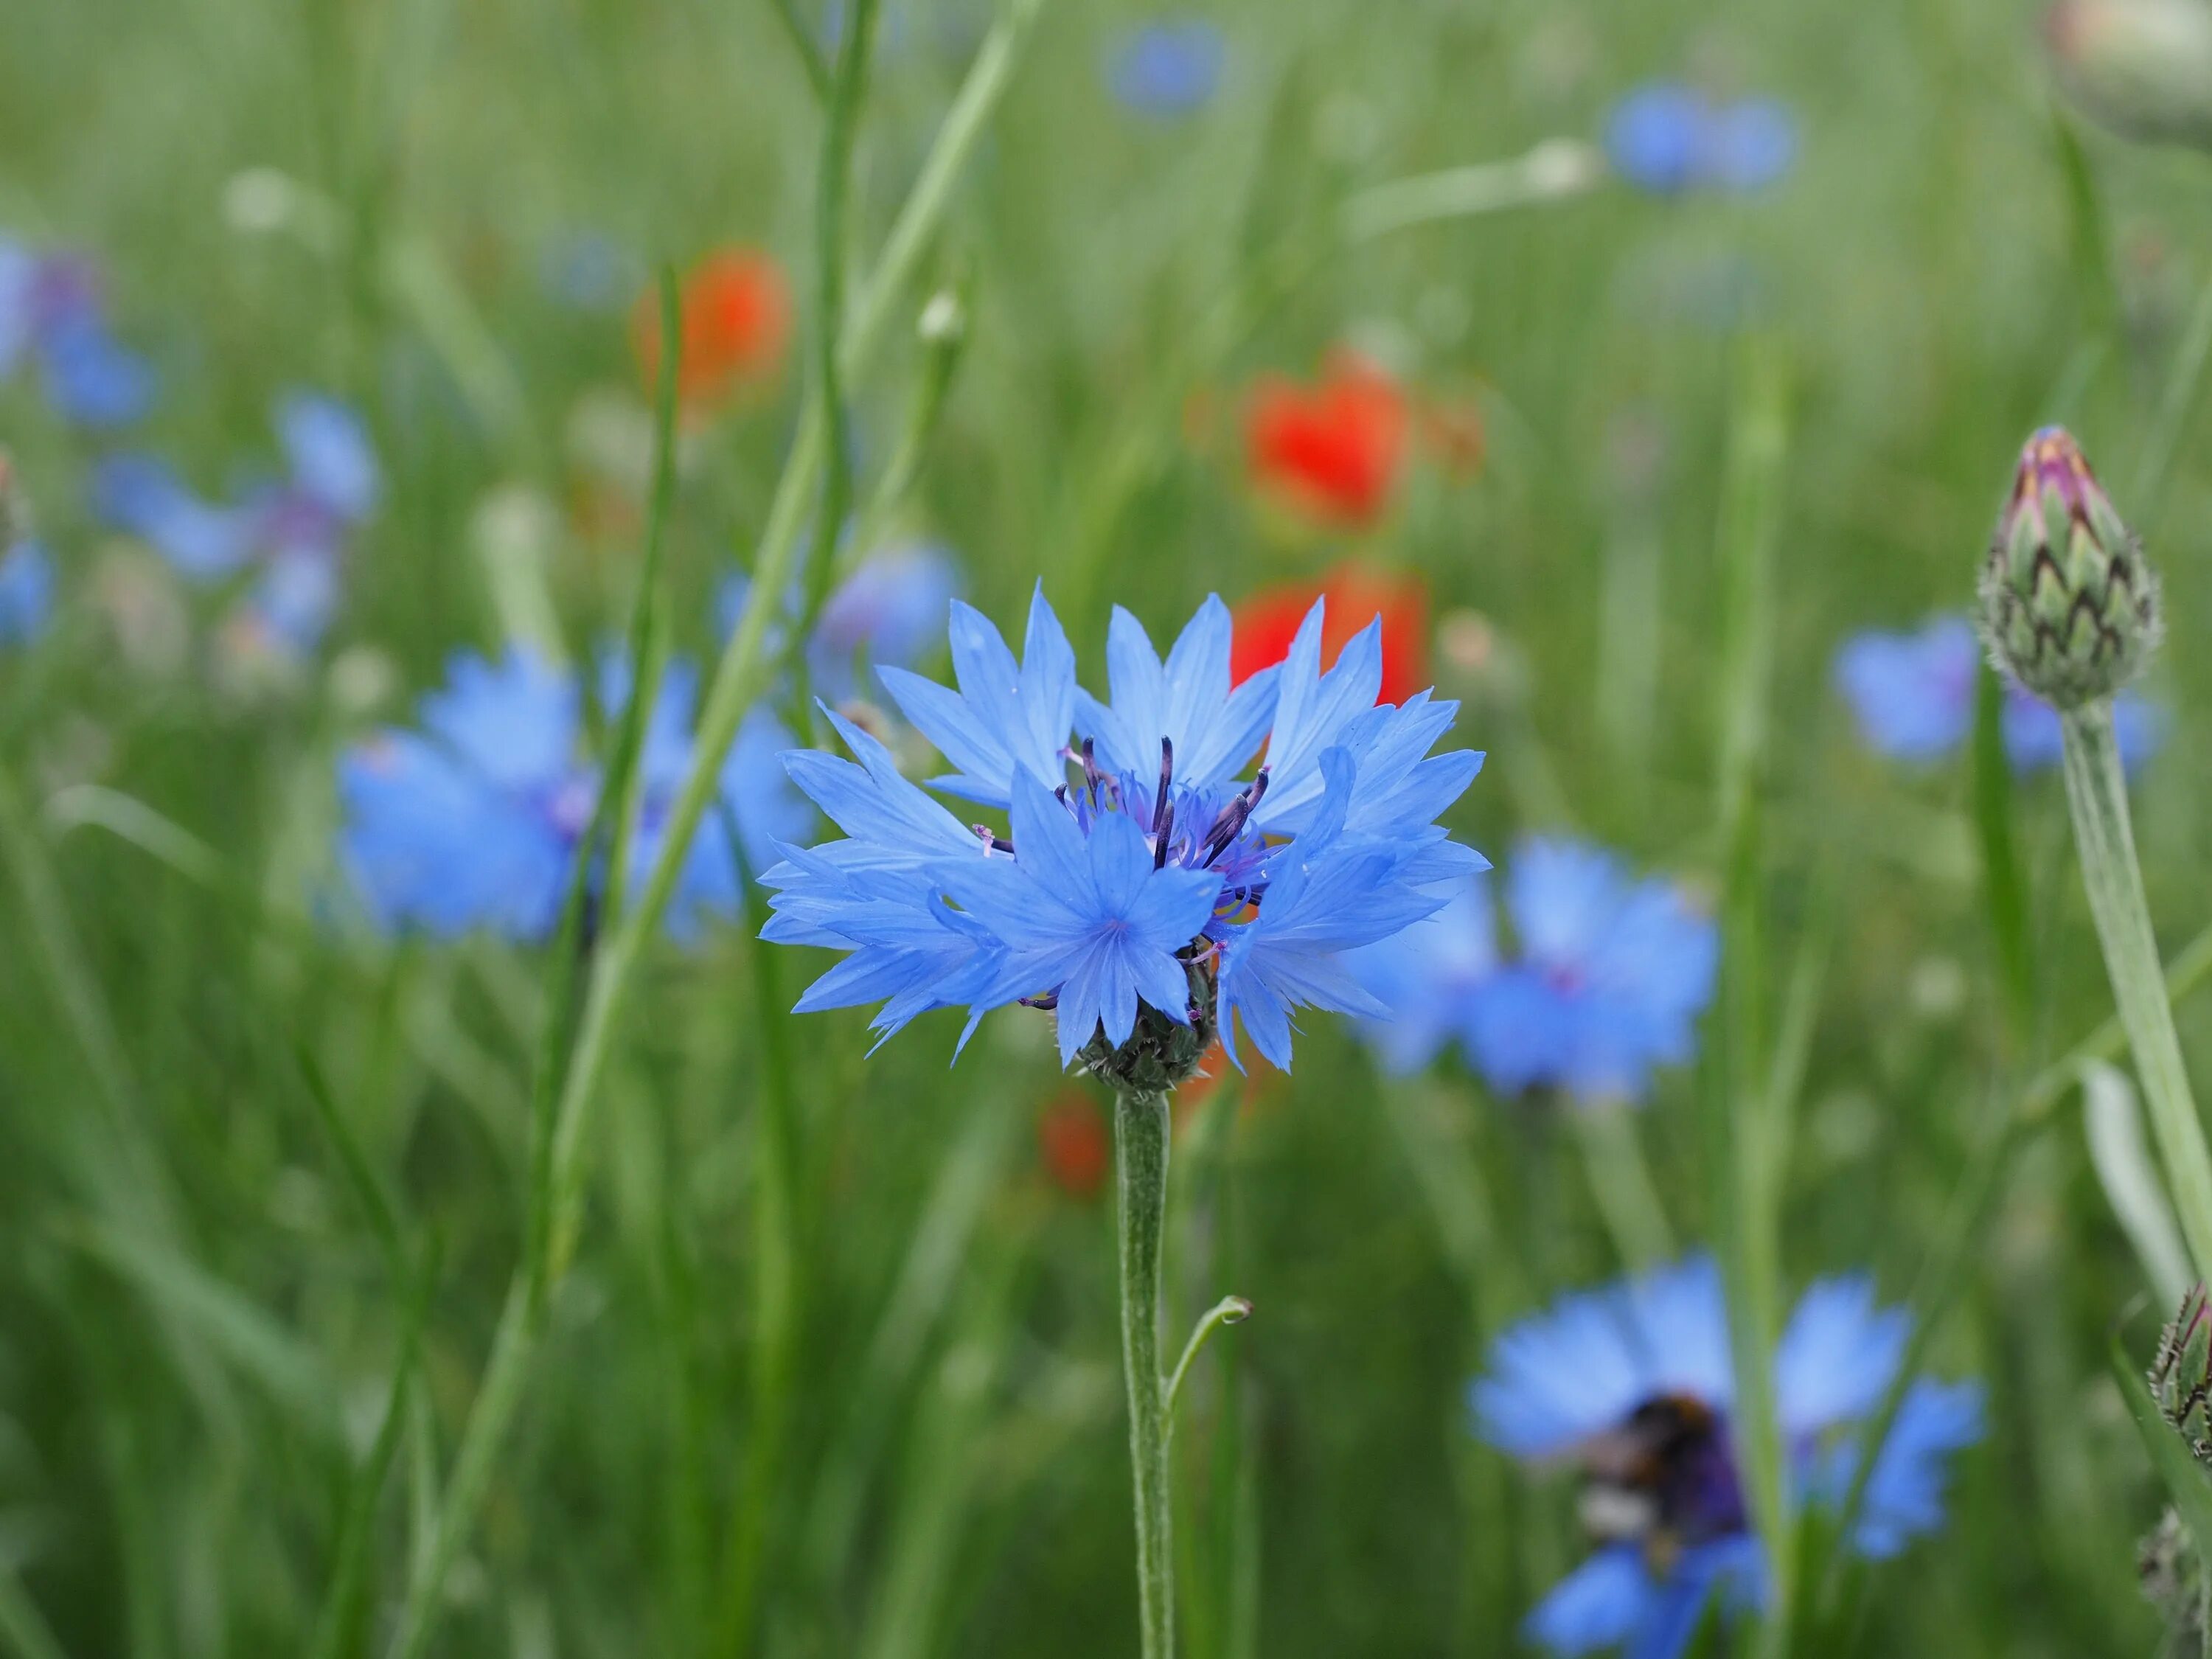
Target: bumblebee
(1664,1480)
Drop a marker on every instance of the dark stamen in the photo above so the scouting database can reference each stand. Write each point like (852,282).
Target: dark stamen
(1091,773)
(1162,814)
(1231,824)
(1162,828)
(993,842)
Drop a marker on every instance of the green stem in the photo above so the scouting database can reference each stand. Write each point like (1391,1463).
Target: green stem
(1230,1310)
(2096,789)
(1140,1161)
(1621,1180)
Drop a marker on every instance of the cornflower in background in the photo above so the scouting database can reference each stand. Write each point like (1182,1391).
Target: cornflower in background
(291,532)
(1140,877)
(473,821)
(1171,67)
(26,572)
(1332,452)
(1669,139)
(1911,695)
(1427,977)
(1633,1387)
(52,314)
(889,612)
(588,271)
(1269,620)
(733,329)
(1609,979)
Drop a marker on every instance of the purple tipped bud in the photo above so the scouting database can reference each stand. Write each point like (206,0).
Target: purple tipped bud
(2068,607)
(2142,67)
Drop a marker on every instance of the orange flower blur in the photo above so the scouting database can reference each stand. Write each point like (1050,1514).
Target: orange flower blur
(1356,594)
(734,323)
(1332,451)
(1073,1142)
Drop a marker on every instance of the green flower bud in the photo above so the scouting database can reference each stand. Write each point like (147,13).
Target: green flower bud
(2181,1375)
(2142,67)
(2068,607)
(1159,1054)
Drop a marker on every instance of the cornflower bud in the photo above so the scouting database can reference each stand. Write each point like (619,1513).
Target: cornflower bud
(2070,607)
(2181,1374)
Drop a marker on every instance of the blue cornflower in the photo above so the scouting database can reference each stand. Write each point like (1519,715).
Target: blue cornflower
(473,821)
(1913,696)
(1611,975)
(1668,138)
(890,611)
(26,593)
(51,311)
(293,531)
(1633,1384)
(1145,896)
(1427,975)
(1169,68)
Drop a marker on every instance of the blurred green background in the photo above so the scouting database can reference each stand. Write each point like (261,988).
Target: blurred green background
(198,1329)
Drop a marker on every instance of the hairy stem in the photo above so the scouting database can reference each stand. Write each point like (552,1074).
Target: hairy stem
(2096,790)
(1141,1160)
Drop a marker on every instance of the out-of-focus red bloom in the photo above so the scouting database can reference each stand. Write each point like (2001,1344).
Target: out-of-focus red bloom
(733,321)
(1333,450)
(1356,594)
(1074,1142)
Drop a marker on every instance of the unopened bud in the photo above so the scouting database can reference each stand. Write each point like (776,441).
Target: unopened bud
(2181,1375)
(2070,607)
(2142,67)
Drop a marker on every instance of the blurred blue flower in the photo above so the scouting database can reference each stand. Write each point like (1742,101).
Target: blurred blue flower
(294,529)
(473,821)
(1668,138)
(890,612)
(1131,881)
(1169,68)
(1427,975)
(1610,978)
(26,593)
(1634,1385)
(588,271)
(51,311)
(1912,697)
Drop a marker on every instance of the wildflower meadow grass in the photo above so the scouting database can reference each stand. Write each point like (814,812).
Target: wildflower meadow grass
(924,828)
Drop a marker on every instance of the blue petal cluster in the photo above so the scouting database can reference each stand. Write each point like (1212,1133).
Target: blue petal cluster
(1607,982)
(473,821)
(1594,1381)
(1167,68)
(1140,872)
(1912,697)
(1668,138)
(53,314)
(291,531)
(26,593)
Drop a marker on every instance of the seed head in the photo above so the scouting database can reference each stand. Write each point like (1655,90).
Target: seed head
(2070,607)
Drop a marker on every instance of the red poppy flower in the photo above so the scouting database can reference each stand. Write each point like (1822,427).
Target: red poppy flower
(1332,450)
(1269,620)
(1073,1142)
(733,321)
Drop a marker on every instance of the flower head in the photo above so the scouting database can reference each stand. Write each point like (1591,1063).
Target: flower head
(26,593)
(1668,138)
(1334,450)
(1146,899)
(293,530)
(1610,978)
(1269,620)
(2069,606)
(1633,1386)
(53,311)
(1167,68)
(2181,1374)
(733,322)
(473,820)
(1911,697)
(890,611)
